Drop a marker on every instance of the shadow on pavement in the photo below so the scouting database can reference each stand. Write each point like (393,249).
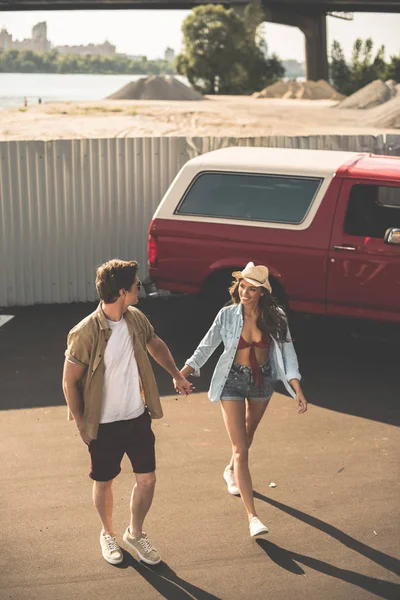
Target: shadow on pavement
(289,560)
(166,582)
(349,367)
(380,558)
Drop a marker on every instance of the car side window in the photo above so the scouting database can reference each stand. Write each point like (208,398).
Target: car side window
(372,209)
(252,197)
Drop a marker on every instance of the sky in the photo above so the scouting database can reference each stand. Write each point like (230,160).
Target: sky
(149,33)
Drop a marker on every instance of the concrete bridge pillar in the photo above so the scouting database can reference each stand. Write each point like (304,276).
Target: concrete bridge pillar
(317,66)
(313,25)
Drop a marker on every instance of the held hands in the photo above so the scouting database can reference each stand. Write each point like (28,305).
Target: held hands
(182,385)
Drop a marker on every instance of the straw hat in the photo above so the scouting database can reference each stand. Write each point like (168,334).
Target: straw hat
(257,276)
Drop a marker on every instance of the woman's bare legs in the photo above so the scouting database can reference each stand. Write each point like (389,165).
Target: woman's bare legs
(255,410)
(234,414)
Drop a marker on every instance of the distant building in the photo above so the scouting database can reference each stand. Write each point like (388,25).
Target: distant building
(37,43)
(169,55)
(105,49)
(5,40)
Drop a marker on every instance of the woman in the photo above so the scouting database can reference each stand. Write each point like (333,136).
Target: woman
(258,351)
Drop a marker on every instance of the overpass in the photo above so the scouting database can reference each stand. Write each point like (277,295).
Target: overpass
(297,5)
(308,15)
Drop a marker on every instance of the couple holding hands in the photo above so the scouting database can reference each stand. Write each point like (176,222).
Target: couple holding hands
(112,395)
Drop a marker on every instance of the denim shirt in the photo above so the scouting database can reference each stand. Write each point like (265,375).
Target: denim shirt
(227,328)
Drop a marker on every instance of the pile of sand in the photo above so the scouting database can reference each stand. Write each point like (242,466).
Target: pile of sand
(156,88)
(306,90)
(393,86)
(386,116)
(374,94)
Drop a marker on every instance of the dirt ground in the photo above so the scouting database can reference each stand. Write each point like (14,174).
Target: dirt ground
(237,116)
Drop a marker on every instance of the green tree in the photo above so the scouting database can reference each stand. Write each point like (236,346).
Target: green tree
(222,52)
(393,68)
(213,38)
(26,61)
(261,70)
(340,72)
(363,68)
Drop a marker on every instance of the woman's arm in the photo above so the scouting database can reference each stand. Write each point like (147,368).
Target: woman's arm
(292,371)
(300,398)
(289,355)
(204,350)
(186,371)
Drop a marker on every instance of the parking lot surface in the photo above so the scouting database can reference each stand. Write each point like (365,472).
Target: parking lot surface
(333,515)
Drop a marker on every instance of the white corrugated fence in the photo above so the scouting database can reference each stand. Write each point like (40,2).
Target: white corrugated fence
(66,206)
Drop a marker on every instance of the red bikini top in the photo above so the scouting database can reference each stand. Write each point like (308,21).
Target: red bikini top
(255,367)
(263,343)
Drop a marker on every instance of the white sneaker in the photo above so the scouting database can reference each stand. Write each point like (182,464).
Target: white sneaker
(146,552)
(229,477)
(256,527)
(112,553)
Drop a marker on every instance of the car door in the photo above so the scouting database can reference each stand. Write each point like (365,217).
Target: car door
(363,275)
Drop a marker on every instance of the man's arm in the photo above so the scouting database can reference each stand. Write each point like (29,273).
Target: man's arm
(161,354)
(72,374)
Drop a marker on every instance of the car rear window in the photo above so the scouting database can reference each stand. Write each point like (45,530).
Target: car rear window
(277,199)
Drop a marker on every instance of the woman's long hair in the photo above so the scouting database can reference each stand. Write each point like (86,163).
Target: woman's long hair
(272,319)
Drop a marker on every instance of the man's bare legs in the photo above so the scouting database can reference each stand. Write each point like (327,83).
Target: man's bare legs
(103,501)
(141,499)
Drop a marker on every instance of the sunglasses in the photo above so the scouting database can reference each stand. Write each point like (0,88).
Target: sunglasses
(139,286)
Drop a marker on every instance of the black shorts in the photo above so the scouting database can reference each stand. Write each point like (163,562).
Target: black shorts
(135,437)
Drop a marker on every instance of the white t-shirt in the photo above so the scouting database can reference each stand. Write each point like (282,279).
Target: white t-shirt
(121,389)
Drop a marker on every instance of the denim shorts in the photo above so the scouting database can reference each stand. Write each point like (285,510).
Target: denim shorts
(240,384)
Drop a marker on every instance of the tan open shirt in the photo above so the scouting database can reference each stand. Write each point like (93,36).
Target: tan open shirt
(86,344)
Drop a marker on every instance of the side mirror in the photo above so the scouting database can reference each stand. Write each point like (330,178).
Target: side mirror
(392,236)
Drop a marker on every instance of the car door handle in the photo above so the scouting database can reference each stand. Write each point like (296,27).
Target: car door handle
(339,248)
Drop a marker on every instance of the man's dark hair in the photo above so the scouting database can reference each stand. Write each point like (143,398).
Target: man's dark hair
(113,276)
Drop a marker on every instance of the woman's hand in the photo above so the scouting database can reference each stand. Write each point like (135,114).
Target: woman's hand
(301,402)
(300,398)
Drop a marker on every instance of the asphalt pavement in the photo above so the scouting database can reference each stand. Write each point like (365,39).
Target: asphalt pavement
(333,515)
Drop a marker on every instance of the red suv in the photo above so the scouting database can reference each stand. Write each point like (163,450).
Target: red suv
(327,225)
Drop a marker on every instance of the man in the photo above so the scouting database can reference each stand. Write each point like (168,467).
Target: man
(112,395)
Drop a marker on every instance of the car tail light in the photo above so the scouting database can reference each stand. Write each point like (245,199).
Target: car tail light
(152,250)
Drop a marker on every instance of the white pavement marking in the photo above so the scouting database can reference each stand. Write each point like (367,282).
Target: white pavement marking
(5,318)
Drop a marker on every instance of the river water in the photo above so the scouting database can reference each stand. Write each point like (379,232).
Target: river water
(50,87)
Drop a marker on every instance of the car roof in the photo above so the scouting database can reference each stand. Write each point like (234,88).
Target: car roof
(375,165)
(317,163)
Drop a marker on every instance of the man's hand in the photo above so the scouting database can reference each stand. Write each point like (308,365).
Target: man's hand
(182,385)
(301,402)
(85,437)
